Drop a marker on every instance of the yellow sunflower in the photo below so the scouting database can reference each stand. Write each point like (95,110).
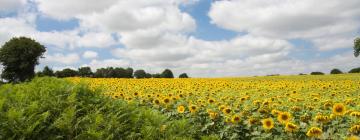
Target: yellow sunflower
(284,117)
(355,129)
(192,108)
(226,110)
(339,109)
(235,119)
(181,109)
(267,123)
(290,127)
(314,132)
(353,137)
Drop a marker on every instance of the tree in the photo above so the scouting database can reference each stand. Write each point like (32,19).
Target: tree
(66,73)
(336,71)
(316,73)
(19,56)
(167,74)
(129,73)
(355,70)
(156,75)
(47,72)
(85,72)
(148,75)
(357,47)
(139,74)
(183,75)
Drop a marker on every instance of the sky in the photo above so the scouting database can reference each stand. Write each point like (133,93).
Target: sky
(204,38)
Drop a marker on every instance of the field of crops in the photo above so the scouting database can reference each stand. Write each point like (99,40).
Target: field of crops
(280,107)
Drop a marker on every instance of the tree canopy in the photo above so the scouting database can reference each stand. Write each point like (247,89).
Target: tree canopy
(19,56)
(167,74)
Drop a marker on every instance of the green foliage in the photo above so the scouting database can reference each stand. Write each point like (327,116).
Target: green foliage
(355,70)
(19,56)
(156,75)
(167,74)
(66,73)
(111,72)
(50,108)
(357,47)
(317,73)
(85,72)
(138,74)
(336,71)
(46,72)
(183,75)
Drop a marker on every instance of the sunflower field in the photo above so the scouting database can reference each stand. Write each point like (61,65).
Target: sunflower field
(274,107)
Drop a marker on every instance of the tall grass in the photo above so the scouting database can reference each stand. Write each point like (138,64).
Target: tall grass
(50,108)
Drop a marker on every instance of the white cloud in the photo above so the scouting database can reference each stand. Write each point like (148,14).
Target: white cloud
(95,64)
(89,54)
(305,19)
(11,5)
(67,59)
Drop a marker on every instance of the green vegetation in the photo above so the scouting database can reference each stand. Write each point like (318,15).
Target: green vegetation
(50,108)
(19,56)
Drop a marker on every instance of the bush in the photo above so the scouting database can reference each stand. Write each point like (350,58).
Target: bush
(50,108)
(317,73)
(355,70)
(183,75)
(336,71)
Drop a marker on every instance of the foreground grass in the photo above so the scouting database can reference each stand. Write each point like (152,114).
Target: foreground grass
(50,108)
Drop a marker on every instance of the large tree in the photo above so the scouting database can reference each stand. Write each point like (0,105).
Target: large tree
(183,75)
(357,47)
(167,74)
(140,74)
(85,72)
(19,56)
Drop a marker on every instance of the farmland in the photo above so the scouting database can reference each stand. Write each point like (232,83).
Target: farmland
(280,107)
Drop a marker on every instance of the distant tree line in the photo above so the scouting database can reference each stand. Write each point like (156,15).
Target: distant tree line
(109,72)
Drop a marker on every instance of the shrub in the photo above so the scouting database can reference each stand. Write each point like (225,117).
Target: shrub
(336,71)
(317,73)
(183,75)
(355,70)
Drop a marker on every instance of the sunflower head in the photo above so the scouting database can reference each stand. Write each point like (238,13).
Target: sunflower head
(355,129)
(166,100)
(180,109)
(339,109)
(290,127)
(353,137)
(314,132)
(235,119)
(226,110)
(192,108)
(284,117)
(267,123)
(156,101)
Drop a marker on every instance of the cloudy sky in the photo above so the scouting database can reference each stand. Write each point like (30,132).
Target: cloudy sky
(204,38)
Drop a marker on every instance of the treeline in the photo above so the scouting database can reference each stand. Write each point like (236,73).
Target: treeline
(109,72)
(335,71)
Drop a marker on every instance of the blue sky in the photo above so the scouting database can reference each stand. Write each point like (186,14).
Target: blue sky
(200,37)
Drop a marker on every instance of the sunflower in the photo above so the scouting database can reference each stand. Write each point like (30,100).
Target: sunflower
(211,101)
(235,119)
(252,121)
(275,112)
(353,137)
(267,123)
(314,132)
(192,108)
(290,127)
(213,115)
(322,119)
(181,109)
(284,117)
(166,100)
(226,110)
(355,129)
(339,109)
(355,114)
(156,101)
